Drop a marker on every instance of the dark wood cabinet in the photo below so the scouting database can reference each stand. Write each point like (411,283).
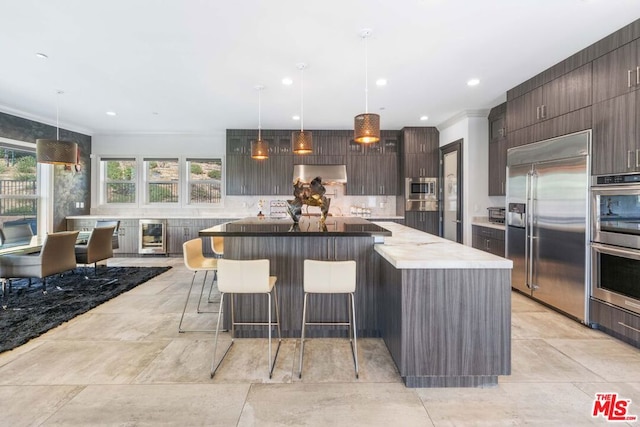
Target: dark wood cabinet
(247,176)
(615,147)
(372,175)
(488,239)
(329,148)
(569,92)
(424,221)
(373,169)
(617,72)
(497,150)
(419,152)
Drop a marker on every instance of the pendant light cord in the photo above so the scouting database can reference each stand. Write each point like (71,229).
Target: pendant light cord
(366,76)
(58,115)
(259,114)
(301,99)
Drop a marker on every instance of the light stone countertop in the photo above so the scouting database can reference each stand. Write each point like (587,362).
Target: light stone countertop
(484,222)
(409,248)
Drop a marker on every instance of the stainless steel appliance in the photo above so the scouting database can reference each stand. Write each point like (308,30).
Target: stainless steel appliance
(153,236)
(547,221)
(496,215)
(421,194)
(615,246)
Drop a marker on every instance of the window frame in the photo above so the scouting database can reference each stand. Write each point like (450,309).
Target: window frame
(188,182)
(104,181)
(146,182)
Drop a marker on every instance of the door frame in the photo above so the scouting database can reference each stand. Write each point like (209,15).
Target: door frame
(446,149)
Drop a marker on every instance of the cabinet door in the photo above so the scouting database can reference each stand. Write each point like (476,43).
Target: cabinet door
(331,143)
(423,221)
(385,169)
(567,93)
(357,176)
(280,175)
(239,144)
(420,165)
(614,135)
(128,237)
(236,175)
(616,73)
(524,110)
(497,167)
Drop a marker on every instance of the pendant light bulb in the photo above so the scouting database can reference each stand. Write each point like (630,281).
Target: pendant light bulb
(259,147)
(367,125)
(302,140)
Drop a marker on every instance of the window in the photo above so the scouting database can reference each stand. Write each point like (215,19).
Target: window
(204,180)
(162,180)
(18,185)
(119,178)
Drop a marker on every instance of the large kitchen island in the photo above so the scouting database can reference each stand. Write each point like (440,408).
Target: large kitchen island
(443,309)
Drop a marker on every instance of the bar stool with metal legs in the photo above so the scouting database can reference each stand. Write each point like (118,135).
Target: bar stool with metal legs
(217,245)
(246,277)
(195,261)
(330,277)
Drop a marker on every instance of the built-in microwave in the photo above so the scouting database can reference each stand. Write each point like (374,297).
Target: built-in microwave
(421,194)
(615,210)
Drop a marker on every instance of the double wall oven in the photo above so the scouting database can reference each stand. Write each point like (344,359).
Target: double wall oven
(615,245)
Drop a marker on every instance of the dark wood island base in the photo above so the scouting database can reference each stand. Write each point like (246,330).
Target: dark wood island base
(443,326)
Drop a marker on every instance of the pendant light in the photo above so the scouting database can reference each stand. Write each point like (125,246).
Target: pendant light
(367,125)
(56,151)
(303,140)
(259,147)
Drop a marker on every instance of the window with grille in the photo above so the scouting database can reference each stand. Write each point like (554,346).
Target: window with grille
(119,180)
(162,178)
(204,181)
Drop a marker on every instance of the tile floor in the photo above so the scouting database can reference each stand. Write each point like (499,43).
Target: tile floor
(124,363)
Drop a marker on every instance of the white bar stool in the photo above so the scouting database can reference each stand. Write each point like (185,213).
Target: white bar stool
(195,261)
(331,277)
(217,245)
(246,277)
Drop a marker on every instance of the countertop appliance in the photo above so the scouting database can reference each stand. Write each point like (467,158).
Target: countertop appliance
(615,246)
(496,215)
(421,194)
(547,221)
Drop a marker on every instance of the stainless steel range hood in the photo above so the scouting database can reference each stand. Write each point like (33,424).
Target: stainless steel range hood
(330,174)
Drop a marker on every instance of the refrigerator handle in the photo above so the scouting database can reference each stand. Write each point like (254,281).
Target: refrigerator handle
(527,264)
(530,237)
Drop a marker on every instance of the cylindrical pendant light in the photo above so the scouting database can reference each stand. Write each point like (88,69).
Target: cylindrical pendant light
(56,151)
(366,126)
(259,147)
(303,140)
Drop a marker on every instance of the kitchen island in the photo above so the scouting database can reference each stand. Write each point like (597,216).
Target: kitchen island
(443,309)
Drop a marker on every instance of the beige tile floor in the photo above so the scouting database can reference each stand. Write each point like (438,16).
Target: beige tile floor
(124,363)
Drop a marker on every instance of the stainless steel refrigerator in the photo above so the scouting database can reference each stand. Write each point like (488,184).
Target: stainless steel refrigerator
(547,221)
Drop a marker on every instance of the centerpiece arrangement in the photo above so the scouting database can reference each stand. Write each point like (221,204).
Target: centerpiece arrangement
(313,195)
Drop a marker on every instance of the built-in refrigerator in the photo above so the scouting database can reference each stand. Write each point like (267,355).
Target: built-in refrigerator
(547,221)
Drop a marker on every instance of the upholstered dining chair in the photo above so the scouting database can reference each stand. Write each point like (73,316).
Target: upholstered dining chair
(99,247)
(56,256)
(115,243)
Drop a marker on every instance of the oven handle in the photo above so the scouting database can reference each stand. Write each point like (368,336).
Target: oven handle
(616,251)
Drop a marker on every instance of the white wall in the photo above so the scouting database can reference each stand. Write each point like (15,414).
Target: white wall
(472,128)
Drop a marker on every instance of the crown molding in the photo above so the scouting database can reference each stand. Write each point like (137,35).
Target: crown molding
(44,120)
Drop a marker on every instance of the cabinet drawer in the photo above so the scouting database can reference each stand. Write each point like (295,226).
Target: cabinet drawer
(488,232)
(616,322)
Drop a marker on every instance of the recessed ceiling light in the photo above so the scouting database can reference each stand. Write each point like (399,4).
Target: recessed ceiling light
(111,113)
(287,81)
(41,55)
(423,118)
(155,113)
(296,117)
(381,82)
(473,82)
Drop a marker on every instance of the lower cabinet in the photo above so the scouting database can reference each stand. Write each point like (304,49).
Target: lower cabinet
(488,239)
(127,232)
(424,221)
(615,321)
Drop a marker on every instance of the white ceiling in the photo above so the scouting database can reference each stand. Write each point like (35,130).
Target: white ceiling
(190,66)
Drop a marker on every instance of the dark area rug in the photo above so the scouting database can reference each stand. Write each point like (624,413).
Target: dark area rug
(28,313)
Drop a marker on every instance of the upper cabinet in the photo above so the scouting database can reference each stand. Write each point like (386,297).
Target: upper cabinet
(617,72)
(420,152)
(497,149)
(372,169)
(569,92)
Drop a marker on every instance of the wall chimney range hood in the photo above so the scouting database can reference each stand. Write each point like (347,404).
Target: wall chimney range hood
(330,174)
